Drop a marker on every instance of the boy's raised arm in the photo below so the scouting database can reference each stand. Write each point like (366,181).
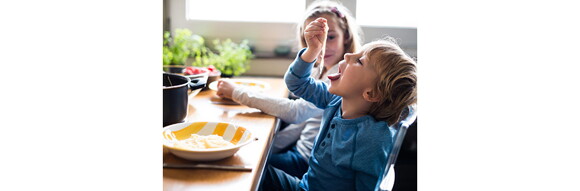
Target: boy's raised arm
(300,83)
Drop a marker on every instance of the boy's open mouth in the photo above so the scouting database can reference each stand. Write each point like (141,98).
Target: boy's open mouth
(334,76)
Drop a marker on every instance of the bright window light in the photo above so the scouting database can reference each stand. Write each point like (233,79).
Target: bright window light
(246,10)
(392,13)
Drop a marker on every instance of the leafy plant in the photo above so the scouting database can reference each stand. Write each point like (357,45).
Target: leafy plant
(181,46)
(232,58)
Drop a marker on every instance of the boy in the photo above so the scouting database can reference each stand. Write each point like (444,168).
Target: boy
(371,92)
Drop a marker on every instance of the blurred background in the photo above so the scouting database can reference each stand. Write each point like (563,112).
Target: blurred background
(271,25)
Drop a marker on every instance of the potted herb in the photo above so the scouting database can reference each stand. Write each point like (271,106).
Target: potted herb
(178,48)
(232,59)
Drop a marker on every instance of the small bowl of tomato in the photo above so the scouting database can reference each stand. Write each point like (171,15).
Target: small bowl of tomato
(196,73)
(210,72)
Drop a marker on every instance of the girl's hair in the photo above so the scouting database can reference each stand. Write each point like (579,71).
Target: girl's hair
(352,32)
(396,86)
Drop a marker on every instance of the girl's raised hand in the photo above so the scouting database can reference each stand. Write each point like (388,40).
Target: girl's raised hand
(315,35)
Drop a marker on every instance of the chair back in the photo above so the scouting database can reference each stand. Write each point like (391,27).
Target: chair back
(388,179)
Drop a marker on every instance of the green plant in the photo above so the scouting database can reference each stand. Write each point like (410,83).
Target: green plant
(232,58)
(181,46)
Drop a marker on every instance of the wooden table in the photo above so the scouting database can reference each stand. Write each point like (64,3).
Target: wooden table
(262,125)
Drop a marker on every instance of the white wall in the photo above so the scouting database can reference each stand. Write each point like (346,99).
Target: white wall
(266,36)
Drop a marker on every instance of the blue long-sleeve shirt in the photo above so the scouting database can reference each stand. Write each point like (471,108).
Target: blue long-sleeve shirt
(348,154)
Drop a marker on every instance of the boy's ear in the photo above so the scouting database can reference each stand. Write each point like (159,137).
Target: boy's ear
(371,96)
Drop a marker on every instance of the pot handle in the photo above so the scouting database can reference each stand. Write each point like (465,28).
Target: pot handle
(197,83)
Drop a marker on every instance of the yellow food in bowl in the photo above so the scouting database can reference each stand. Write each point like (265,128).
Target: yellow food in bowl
(202,142)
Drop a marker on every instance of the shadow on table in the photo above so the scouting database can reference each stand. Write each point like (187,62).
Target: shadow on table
(209,175)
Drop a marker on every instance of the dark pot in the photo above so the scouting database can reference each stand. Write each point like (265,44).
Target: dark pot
(175,69)
(175,96)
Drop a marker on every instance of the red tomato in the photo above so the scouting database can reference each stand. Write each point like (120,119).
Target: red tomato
(211,68)
(188,71)
(194,70)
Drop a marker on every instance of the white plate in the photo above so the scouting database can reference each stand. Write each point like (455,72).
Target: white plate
(254,84)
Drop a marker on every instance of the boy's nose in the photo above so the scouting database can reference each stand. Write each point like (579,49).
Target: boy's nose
(346,55)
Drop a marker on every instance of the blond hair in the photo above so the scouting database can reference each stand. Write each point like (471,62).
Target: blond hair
(352,31)
(396,87)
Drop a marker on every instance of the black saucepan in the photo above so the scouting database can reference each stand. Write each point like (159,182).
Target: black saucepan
(175,96)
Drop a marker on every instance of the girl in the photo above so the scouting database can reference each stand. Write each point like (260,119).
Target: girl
(304,118)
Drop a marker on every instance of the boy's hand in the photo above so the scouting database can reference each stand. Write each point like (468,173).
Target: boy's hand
(225,89)
(315,35)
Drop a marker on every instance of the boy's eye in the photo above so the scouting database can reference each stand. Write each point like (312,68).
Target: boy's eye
(331,37)
(358,61)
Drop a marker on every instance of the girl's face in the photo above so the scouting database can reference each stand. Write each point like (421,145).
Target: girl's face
(334,41)
(356,74)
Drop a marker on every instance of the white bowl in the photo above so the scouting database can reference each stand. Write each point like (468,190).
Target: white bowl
(237,135)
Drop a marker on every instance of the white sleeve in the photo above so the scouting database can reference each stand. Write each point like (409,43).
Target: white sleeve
(290,111)
(287,137)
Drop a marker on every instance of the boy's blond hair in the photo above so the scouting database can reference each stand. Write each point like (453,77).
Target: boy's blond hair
(352,31)
(397,80)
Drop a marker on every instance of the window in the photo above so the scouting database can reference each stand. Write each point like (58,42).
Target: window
(247,10)
(391,13)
